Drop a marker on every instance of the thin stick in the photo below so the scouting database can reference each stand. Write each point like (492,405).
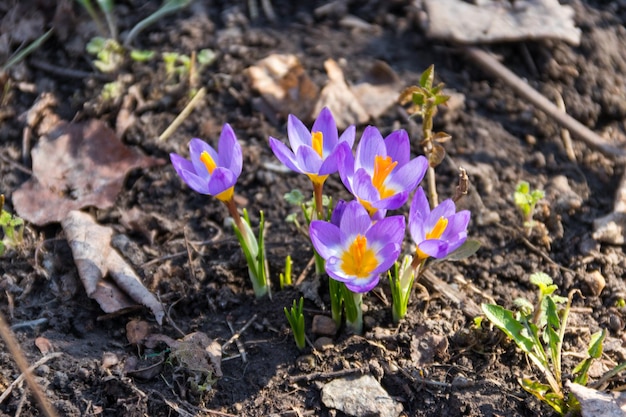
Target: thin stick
(235,337)
(489,63)
(567,139)
(22,364)
(183,114)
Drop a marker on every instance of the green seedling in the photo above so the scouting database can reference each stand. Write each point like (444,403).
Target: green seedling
(526,200)
(538,330)
(295,316)
(254,252)
(12,228)
(285,278)
(109,53)
(424,99)
(181,66)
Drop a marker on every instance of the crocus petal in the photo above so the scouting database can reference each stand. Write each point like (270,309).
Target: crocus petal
(325,238)
(196,147)
(371,144)
(387,256)
(284,155)
(325,123)
(354,221)
(332,161)
(445,209)
(337,214)
(398,146)
(389,230)
(362,187)
(346,167)
(221,180)
(181,164)
(297,133)
(457,223)
(392,203)
(348,136)
(308,160)
(195,182)
(229,150)
(419,205)
(434,247)
(408,176)
(363,285)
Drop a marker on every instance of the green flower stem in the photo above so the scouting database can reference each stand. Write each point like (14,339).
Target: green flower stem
(253,249)
(401,281)
(354,313)
(336,299)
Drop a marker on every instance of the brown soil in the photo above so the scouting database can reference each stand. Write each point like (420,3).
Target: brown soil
(499,137)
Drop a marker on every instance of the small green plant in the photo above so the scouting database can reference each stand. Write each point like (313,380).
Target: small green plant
(12,228)
(295,316)
(424,99)
(526,200)
(285,278)
(538,330)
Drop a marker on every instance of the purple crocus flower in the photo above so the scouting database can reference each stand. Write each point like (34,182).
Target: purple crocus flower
(382,174)
(439,232)
(211,172)
(315,152)
(356,250)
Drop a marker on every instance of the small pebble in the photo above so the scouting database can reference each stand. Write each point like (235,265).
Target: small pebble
(324,326)
(595,282)
(323,343)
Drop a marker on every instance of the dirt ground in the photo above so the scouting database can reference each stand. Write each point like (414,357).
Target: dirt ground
(434,362)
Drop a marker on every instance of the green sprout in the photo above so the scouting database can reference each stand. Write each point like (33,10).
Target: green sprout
(424,99)
(285,278)
(526,200)
(109,53)
(539,330)
(254,252)
(12,228)
(295,316)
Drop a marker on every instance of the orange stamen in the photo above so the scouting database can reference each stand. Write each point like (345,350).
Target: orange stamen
(383,166)
(359,260)
(438,229)
(317,142)
(208,162)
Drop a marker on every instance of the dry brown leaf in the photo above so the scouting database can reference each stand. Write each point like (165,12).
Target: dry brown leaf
(74,166)
(44,345)
(284,84)
(137,331)
(195,352)
(379,89)
(95,259)
(339,98)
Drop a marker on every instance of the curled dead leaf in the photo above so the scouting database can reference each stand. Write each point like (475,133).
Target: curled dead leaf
(97,261)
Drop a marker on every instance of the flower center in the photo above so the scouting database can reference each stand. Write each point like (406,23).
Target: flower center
(438,229)
(208,162)
(317,142)
(359,261)
(383,165)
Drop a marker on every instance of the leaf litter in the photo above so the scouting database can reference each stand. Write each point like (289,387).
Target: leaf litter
(76,165)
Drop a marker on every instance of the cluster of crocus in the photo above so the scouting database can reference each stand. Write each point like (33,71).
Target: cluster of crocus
(360,243)
(215,173)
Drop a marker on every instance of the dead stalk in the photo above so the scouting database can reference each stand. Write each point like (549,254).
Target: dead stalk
(22,364)
(489,63)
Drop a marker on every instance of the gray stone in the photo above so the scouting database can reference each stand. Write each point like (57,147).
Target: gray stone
(360,396)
